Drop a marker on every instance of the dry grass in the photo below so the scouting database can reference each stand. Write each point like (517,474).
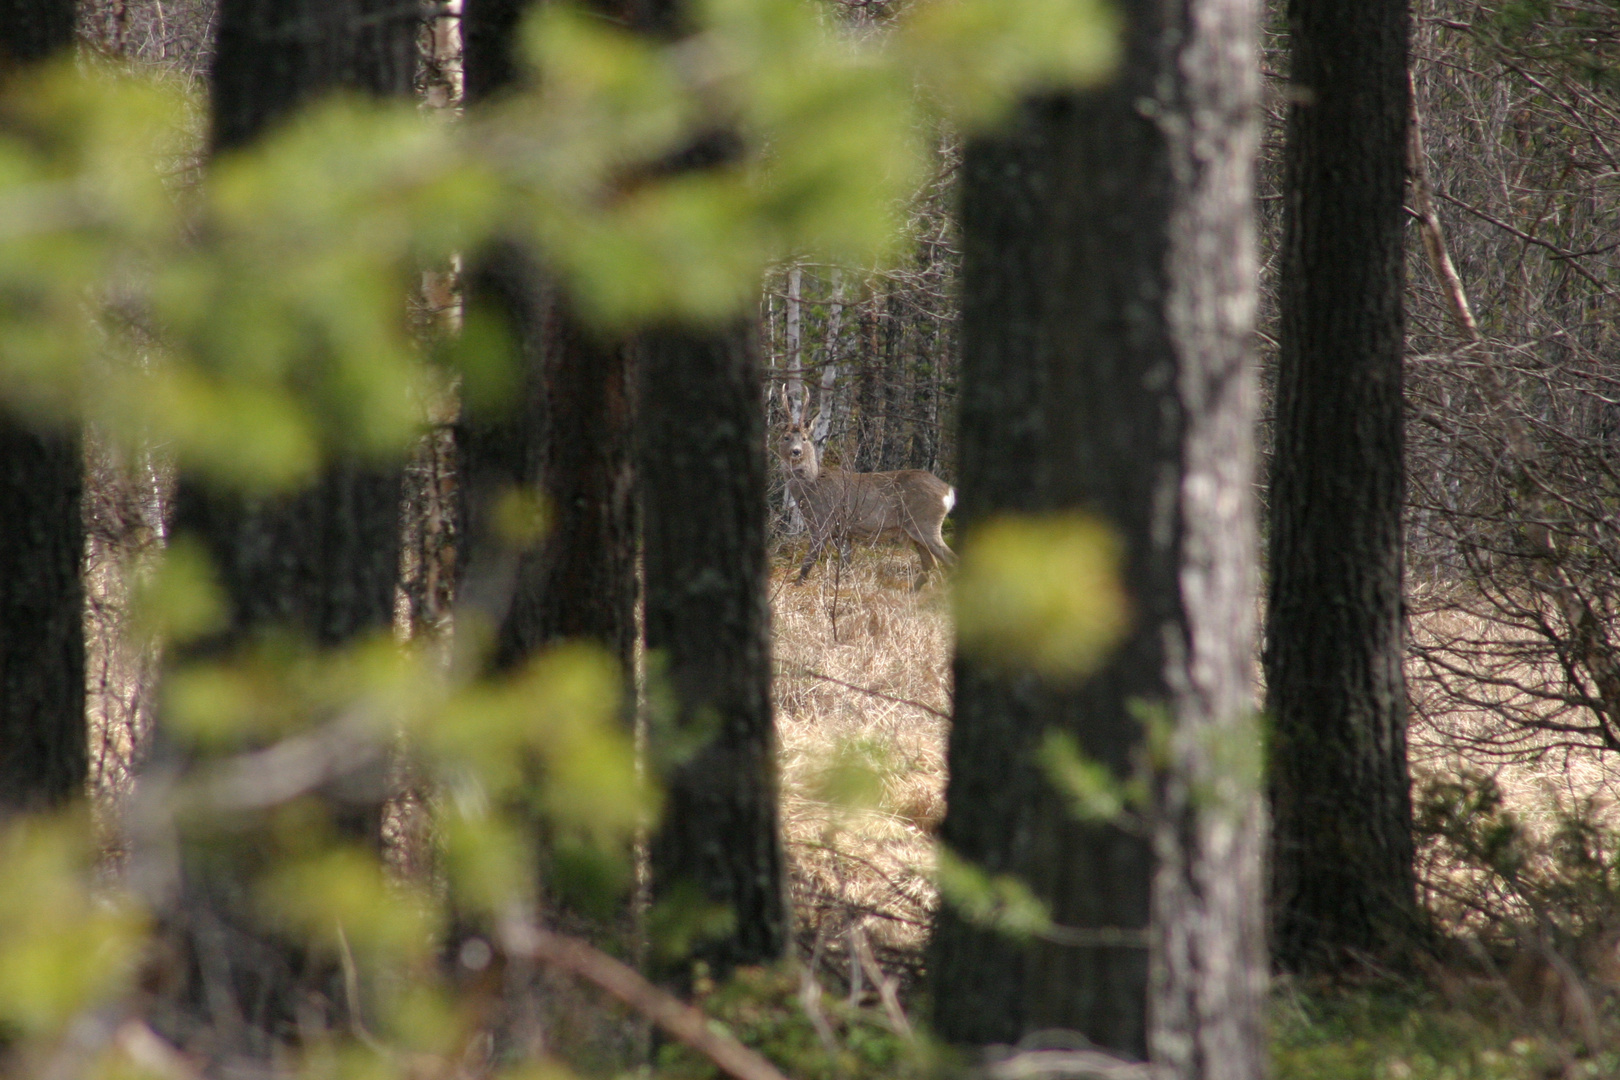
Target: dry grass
(864,670)
(862,689)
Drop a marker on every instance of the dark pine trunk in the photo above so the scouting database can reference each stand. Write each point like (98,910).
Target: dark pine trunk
(1107,290)
(323,562)
(320,563)
(43,745)
(272,57)
(564,434)
(34,29)
(488,53)
(702,470)
(1342,886)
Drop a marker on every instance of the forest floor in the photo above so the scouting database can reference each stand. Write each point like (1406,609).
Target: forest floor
(863,692)
(863,697)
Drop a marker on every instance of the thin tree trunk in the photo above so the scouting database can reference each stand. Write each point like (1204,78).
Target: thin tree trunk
(795,340)
(43,742)
(869,423)
(1343,886)
(893,452)
(1107,298)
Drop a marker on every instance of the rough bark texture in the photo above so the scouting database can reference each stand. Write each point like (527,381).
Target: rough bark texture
(34,29)
(43,752)
(273,57)
(702,481)
(321,563)
(567,433)
(1342,866)
(1108,295)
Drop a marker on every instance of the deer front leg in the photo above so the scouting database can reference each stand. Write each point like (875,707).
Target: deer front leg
(810,558)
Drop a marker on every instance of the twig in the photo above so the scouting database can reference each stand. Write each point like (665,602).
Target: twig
(621,981)
(1094,937)
(1569,257)
(292,767)
(1434,241)
(884,982)
(800,669)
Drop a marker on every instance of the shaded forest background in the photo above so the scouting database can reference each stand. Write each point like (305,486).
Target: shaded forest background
(1519,130)
(1513,436)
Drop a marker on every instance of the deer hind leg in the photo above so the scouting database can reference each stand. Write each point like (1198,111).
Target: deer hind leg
(931,548)
(929,536)
(929,562)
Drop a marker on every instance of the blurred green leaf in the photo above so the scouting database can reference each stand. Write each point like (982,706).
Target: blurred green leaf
(853,777)
(979,56)
(1040,593)
(997,902)
(341,897)
(180,599)
(63,947)
(683,918)
(489,861)
(1095,793)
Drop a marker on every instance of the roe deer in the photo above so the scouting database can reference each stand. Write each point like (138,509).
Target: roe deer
(843,506)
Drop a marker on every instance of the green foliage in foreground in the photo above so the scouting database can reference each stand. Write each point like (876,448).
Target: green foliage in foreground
(1040,593)
(808,1034)
(252,318)
(1403,1032)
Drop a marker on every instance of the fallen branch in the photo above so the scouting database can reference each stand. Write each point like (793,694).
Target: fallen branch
(623,982)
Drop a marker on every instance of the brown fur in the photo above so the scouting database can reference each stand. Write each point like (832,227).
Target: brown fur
(844,506)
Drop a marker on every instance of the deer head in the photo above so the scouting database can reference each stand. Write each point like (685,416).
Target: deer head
(797,449)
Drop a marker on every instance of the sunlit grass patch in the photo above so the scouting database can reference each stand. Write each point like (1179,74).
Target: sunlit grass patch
(862,689)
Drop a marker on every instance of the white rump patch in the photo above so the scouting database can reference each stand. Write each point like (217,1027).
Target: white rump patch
(950,499)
